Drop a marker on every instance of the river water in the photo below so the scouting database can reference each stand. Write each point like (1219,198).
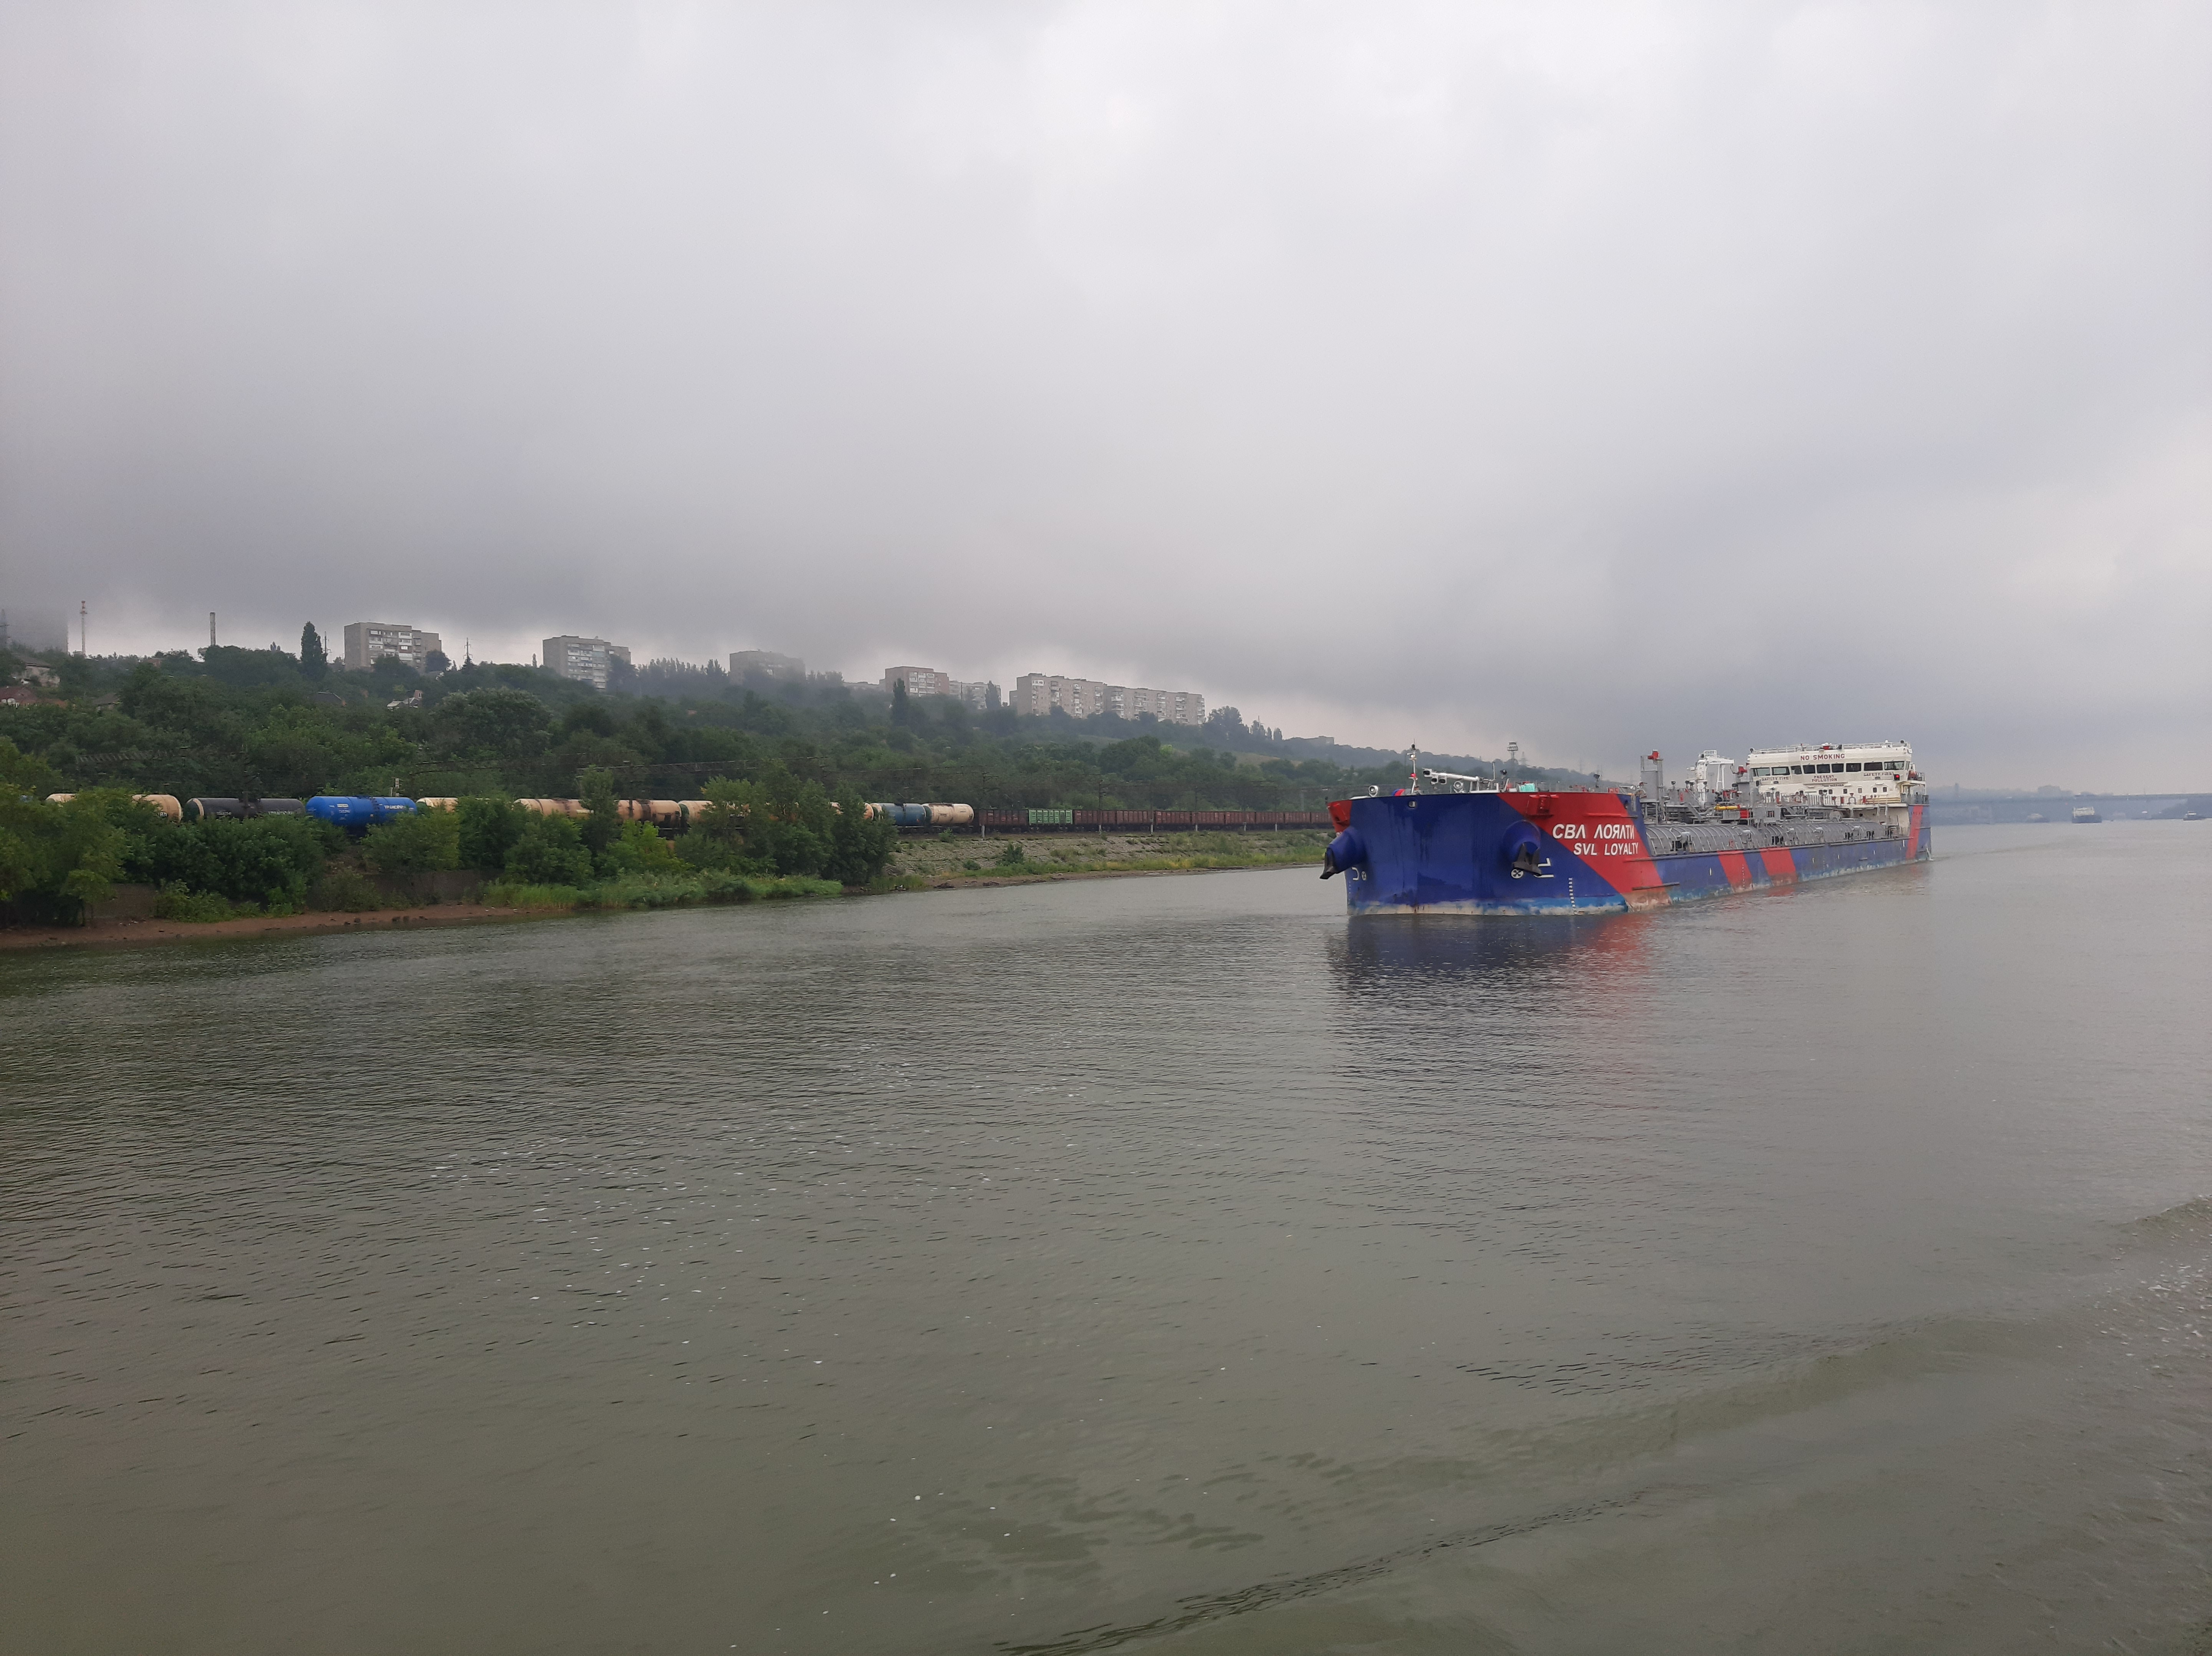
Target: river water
(1150,1264)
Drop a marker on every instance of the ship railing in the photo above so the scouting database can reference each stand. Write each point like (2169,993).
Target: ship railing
(1466,784)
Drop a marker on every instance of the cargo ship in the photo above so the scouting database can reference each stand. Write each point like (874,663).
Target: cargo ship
(1453,843)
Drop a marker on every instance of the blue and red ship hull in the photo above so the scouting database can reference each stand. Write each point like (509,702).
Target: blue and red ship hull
(1583,853)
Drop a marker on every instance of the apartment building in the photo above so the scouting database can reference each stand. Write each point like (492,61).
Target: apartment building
(1182,707)
(366,642)
(587,661)
(979,694)
(918,681)
(1037,693)
(768,664)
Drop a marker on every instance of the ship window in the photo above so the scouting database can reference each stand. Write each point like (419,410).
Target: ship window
(1796,769)
(1850,767)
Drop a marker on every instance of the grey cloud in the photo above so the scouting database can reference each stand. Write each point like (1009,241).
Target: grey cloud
(1601,377)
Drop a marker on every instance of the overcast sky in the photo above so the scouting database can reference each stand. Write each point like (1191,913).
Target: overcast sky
(1595,377)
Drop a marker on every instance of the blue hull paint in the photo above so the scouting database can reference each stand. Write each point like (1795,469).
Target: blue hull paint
(1566,854)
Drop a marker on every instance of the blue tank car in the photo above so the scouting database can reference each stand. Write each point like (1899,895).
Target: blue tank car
(357,813)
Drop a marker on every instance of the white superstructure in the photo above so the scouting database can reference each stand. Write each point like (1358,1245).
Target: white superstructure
(1835,773)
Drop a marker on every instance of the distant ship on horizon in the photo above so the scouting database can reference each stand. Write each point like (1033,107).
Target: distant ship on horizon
(2086,814)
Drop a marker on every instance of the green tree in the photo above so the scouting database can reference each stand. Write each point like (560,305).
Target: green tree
(54,859)
(859,845)
(793,835)
(486,831)
(641,850)
(248,669)
(268,860)
(421,842)
(144,828)
(719,836)
(314,660)
(596,788)
(296,754)
(900,713)
(777,824)
(549,852)
(497,723)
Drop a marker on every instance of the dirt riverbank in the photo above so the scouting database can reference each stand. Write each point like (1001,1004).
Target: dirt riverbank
(175,931)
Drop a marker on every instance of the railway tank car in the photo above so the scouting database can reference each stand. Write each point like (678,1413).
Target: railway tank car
(358,812)
(213,809)
(167,804)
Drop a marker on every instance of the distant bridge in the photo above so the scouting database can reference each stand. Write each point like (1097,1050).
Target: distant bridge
(2059,807)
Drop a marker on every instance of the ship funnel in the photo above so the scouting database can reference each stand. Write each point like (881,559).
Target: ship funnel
(1655,782)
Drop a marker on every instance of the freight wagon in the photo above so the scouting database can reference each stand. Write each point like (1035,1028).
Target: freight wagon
(165,803)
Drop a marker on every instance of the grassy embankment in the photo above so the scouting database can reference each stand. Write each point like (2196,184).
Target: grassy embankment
(918,864)
(659,892)
(955,857)
(345,891)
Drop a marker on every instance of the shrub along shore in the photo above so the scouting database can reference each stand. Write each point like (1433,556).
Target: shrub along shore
(777,837)
(765,841)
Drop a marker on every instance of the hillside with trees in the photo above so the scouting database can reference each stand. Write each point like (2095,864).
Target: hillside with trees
(230,722)
(787,767)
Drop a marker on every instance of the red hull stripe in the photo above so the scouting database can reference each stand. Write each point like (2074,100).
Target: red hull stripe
(1602,831)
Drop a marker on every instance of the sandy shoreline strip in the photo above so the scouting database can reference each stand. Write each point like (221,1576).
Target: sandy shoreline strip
(174,931)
